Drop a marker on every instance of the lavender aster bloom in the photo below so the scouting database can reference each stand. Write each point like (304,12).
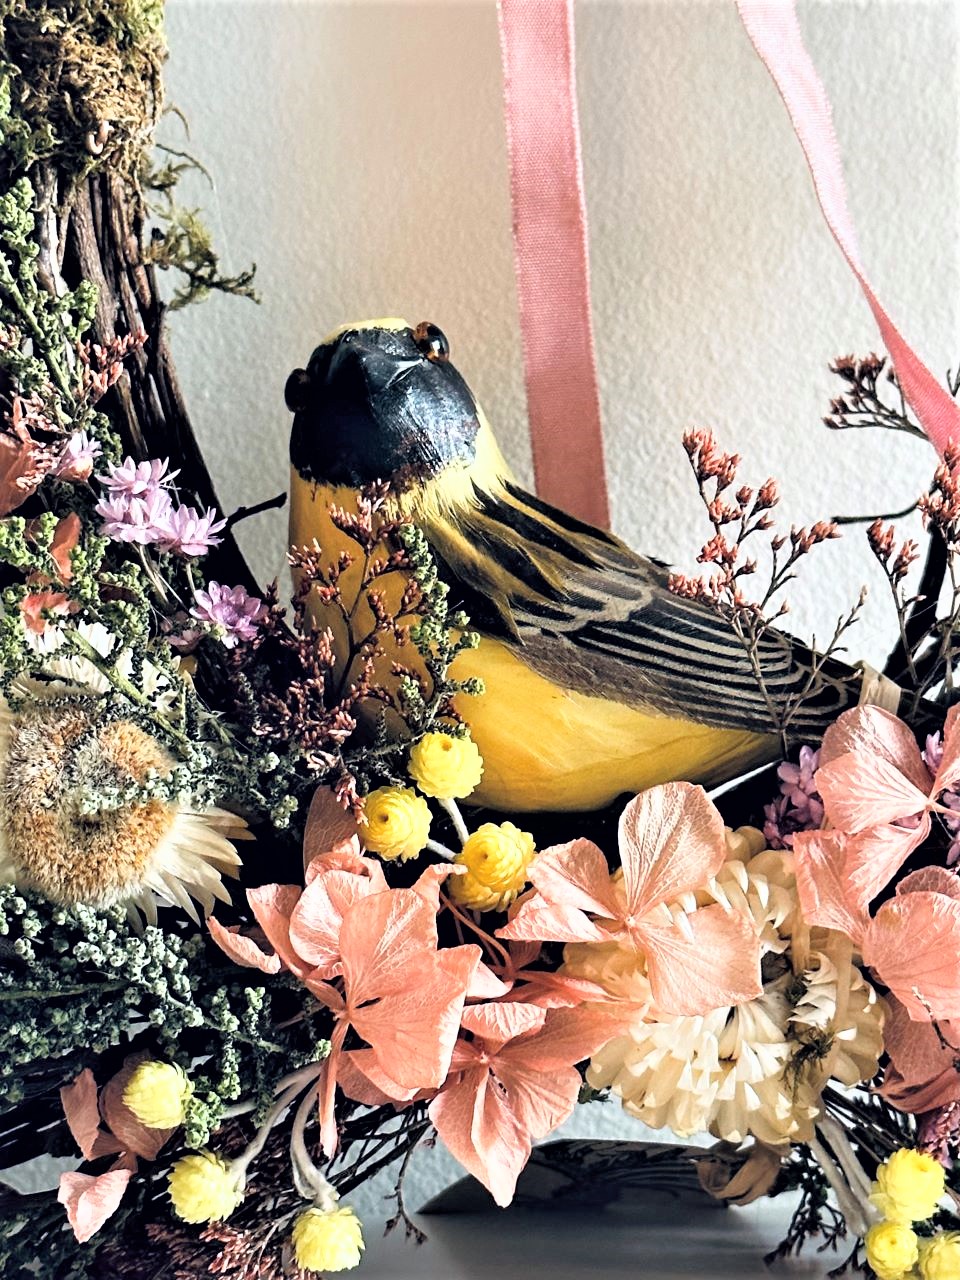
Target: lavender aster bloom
(933,752)
(137,479)
(189,533)
(77,458)
(798,807)
(135,519)
(231,612)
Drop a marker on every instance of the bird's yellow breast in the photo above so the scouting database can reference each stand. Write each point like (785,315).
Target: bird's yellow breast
(544,747)
(550,748)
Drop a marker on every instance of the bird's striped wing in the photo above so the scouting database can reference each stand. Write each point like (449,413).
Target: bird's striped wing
(591,615)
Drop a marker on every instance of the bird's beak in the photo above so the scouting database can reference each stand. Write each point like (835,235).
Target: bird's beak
(359,364)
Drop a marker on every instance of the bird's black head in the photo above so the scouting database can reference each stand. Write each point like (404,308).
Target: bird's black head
(380,400)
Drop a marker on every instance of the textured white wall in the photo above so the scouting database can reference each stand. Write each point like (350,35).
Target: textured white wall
(358,157)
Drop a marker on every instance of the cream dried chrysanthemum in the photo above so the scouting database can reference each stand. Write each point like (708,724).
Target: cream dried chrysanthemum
(754,1068)
(57,756)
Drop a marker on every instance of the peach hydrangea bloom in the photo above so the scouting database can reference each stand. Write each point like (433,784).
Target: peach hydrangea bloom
(671,844)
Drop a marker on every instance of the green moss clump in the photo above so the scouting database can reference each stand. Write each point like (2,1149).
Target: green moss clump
(80,82)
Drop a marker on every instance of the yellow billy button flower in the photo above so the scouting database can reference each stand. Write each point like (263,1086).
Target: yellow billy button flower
(497,858)
(328,1239)
(940,1256)
(444,767)
(398,823)
(892,1249)
(203,1188)
(157,1093)
(909,1186)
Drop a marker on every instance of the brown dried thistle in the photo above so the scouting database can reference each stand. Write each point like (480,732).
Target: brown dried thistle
(737,517)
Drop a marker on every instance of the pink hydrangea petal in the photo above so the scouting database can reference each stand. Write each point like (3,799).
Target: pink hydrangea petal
(272,906)
(912,945)
(317,918)
(822,887)
(576,875)
(501,1021)
(931,880)
(79,1101)
(671,841)
(872,731)
(948,774)
(719,966)
(241,949)
(874,857)
(413,1031)
(328,824)
(91,1200)
(541,921)
(861,791)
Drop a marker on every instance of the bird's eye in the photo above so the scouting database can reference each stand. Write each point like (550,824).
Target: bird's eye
(431,341)
(297,391)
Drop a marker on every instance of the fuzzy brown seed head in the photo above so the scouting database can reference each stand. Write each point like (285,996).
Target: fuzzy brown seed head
(54,755)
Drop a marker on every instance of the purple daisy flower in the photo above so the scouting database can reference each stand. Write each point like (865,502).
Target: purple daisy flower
(190,533)
(137,479)
(77,458)
(233,615)
(798,807)
(144,519)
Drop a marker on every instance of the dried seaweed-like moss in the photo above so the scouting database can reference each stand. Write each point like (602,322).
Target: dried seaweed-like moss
(81,81)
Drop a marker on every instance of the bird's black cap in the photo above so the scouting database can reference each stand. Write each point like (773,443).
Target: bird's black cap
(380,401)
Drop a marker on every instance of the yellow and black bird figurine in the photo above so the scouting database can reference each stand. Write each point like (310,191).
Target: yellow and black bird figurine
(602,681)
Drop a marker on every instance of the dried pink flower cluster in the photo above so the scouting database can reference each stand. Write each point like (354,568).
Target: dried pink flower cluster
(232,613)
(77,458)
(798,807)
(139,507)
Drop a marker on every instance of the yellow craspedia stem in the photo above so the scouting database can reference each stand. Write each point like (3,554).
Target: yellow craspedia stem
(157,1093)
(444,767)
(909,1186)
(203,1188)
(328,1239)
(940,1256)
(398,822)
(892,1249)
(497,858)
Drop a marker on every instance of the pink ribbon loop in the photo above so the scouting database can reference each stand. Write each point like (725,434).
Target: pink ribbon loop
(775,33)
(551,255)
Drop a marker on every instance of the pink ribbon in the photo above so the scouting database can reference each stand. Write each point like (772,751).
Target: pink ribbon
(550,255)
(773,28)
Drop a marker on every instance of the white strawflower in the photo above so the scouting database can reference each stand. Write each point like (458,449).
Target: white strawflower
(755,1068)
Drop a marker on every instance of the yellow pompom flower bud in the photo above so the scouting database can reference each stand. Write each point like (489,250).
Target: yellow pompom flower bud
(940,1256)
(398,822)
(328,1239)
(444,767)
(204,1189)
(497,858)
(892,1249)
(157,1093)
(909,1186)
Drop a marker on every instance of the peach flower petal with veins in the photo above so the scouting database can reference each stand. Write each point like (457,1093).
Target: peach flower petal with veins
(90,1200)
(514,1083)
(671,843)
